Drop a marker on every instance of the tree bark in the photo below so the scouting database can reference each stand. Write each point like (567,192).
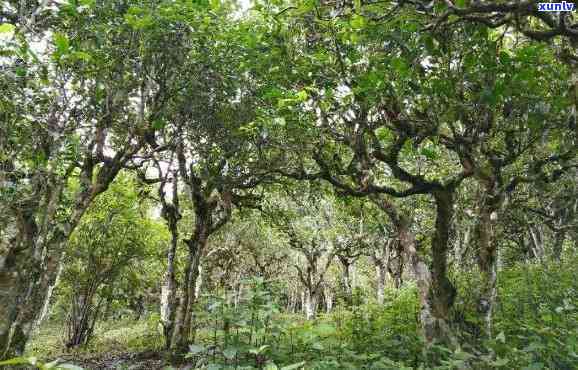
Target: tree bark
(443,292)
(537,245)
(196,246)
(491,203)
(30,268)
(381,273)
(46,305)
(328,293)
(434,310)
(346,266)
(25,282)
(381,261)
(558,247)
(169,291)
(310,304)
(171,214)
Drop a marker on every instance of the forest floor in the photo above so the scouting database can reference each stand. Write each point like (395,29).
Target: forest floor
(122,344)
(536,326)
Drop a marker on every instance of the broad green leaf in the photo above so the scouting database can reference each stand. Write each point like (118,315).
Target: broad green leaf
(7,28)
(294,366)
(500,362)
(400,66)
(51,365)
(61,42)
(257,351)
(326,330)
(215,4)
(428,153)
(196,349)
(357,21)
(70,367)
(534,366)
(81,55)
(501,337)
(301,96)
(158,124)
(230,353)
(15,361)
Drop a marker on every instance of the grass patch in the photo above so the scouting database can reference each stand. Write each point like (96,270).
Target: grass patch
(110,338)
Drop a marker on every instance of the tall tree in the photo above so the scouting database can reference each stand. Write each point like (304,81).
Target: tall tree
(82,107)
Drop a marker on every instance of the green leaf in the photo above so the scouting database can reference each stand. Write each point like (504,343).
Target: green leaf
(230,353)
(16,361)
(7,28)
(500,362)
(534,366)
(279,121)
(20,72)
(81,55)
(195,349)
(533,347)
(501,337)
(431,45)
(294,366)
(257,351)
(158,124)
(428,153)
(301,96)
(61,42)
(357,21)
(215,4)
(326,330)
(271,366)
(51,365)
(489,97)
(400,66)
(70,367)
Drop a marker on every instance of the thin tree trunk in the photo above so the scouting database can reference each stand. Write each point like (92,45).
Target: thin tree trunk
(487,253)
(199,282)
(557,248)
(238,293)
(328,299)
(381,272)
(310,304)
(346,278)
(168,292)
(171,214)
(381,262)
(536,239)
(196,246)
(46,306)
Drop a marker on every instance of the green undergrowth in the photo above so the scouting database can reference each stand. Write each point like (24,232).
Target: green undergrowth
(111,337)
(536,327)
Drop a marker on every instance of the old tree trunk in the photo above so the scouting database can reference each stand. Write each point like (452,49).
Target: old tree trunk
(31,257)
(436,293)
(196,245)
